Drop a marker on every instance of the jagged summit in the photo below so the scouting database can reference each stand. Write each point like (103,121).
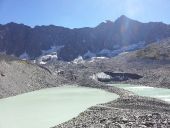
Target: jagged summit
(122,17)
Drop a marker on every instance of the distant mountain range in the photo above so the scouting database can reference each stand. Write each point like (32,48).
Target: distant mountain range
(107,39)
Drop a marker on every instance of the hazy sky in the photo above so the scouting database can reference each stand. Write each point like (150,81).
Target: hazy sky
(81,13)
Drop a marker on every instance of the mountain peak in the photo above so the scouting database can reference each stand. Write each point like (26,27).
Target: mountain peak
(122,18)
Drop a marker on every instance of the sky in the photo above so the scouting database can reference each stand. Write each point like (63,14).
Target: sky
(81,13)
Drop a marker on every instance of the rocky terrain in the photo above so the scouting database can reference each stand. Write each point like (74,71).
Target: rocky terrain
(156,51)
(123,113)
(17,76)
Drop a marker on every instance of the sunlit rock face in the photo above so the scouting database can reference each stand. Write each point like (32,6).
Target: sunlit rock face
(107,39)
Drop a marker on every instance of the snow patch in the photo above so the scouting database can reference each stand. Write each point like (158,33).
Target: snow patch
(78,60)
(93,59)
(101,75)
(125,49)
(24,56)
(89,55)
(123,53)
(105,51)
(52,49)
(47,58)
(49,55)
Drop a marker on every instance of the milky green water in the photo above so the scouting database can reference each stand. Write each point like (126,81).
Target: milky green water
(160,93)
(49,107)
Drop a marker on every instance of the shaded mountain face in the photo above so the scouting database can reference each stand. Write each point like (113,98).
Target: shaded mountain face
(17,39)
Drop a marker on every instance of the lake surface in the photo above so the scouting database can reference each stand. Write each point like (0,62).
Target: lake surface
(49,107)
(160,93)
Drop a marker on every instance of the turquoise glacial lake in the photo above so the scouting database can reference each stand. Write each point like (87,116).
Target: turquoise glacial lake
(159,93)
(49,107)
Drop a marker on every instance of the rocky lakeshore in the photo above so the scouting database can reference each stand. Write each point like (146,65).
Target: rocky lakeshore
(129,112)
(118,118)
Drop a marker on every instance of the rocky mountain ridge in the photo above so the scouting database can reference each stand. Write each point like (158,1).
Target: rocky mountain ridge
(106,39)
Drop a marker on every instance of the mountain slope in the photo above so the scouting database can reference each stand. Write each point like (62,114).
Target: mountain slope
(156,51)
(17,76)
(19,39)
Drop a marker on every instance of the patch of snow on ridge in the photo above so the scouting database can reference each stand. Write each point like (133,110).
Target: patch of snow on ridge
(134,46)
(89,55)
(52,49)
(49,55)
(105,51)
(125,49)
(93,59)
(46,58)
(123,53)
(78,60)
(24,56)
